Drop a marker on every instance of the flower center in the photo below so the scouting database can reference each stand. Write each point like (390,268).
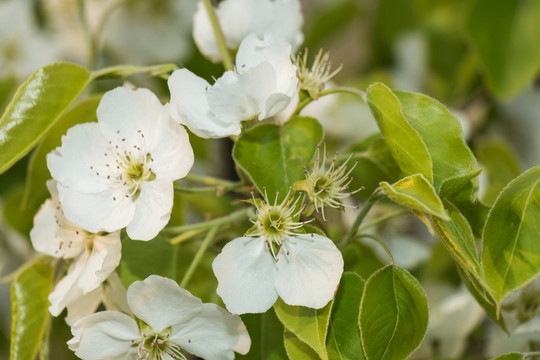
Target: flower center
(156,345)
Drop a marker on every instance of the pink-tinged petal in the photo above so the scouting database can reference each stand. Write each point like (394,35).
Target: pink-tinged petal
(125,115)
(172,152)
(161,303)
(152,209)
(213,334)
(107,335)
(108,210)
(308,270)
(80,162)
(244,270)
(189,106)
(66,291)
(104,258)
(84,306)
(236,97)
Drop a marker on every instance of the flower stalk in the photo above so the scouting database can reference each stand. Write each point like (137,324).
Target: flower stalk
(220,39)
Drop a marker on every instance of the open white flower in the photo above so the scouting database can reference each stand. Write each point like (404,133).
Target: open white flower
(239,18)
(272,261)
(95,255)
(170,321)
(120,171)
(262,85)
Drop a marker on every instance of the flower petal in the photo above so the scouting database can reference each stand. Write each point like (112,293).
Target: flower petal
(244,271)
(107,211)
(66,291)
(84,306)
(152,209)
(308,270)
(189,106)
(213,334)
(107,335)
(161,303)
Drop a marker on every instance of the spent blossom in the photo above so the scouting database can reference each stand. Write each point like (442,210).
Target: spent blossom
(313,79)
(169,321)
(119,171)
(239,18)
(276,260)
(263,84)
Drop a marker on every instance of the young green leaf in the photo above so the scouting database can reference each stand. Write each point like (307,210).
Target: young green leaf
(29,309)
(406,145)
(510,248)
(36,106)
(505,37)
(309,325)
(296,349)
(416,193)
(512,356)
(274,156)
(36,191)
(393,315)
(343,341)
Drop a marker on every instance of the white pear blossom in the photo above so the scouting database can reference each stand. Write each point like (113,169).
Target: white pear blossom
(95,255)
(239,18)
(169,322)
(274,260)
(119,171)
(263,84)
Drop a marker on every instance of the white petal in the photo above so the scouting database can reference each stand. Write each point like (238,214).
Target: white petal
(290,22)
(275,103)
(105,211)
(171,152)
(78,161)
(66,291)
(152,209)
(189,106)
(103,260)
(161,303)
(123,115)
(84,306)
(244,271)
(104,336)
(115,295)
(213,334)
(237,97)
(309,274)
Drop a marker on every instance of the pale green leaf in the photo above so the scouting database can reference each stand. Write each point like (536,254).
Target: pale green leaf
(343,342)
(510,248)
(393,315)
(309,325)
(505,37)
(296,349)
(36,106)
(406,145)
(274,156)
(416,193)
(29,309)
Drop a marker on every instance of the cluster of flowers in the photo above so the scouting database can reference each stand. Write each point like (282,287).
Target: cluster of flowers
(119,172)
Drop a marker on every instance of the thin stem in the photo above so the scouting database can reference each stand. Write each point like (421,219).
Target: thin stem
(185,236)
(383,218)
(220,39)
(358,221)
(376,238)
(224,220)
(337,90)
(208,180)
(127,70)
(198,256)
(529,354)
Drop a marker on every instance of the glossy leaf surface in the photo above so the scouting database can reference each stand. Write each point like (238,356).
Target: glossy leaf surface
(296,349)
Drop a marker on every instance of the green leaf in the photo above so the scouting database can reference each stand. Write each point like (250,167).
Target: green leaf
(505,37)
(266,333)
(309,325)
(36,191)
(406,145)
(141,259)
(442,134)
(459,188)
(7,86)
(512,356)
(393,314)
(416,193)
(29,309)
(456,234)
(510,248)
(501,164)
(274,156)
(343,342)
(36,106)
(296,349)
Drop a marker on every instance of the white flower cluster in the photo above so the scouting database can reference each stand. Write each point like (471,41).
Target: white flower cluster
(118,174)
